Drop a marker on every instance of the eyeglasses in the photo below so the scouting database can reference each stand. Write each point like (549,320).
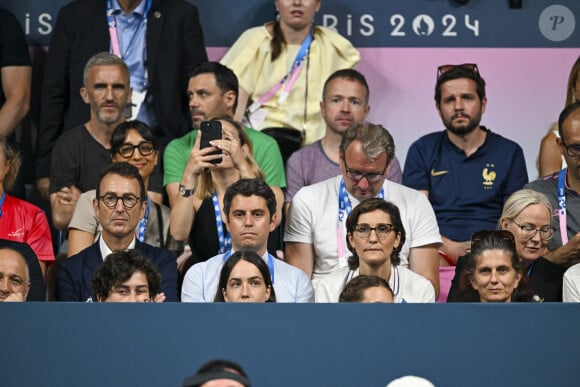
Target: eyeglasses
(382,230)
(372,177)
(546,233)
(129,201)
(145,148)
(573,150)
(449,67)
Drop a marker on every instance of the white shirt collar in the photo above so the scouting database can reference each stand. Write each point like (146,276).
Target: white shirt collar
(105,250)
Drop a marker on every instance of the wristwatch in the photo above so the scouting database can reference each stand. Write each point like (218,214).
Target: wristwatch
(185,192)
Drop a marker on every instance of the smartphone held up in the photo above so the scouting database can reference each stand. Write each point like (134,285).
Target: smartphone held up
(210,131)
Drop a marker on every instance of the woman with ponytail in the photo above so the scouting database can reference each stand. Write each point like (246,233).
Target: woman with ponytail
(282,66)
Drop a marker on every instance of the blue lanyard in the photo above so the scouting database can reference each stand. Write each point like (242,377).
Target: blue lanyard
(529,272)
(302,52)
(344,206)
(113,34)
(143,224)
(270,263)
(2,203)
(562,206)
(224,237)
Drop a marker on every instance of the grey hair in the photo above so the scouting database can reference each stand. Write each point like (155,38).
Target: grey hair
(375,140)
(103,59)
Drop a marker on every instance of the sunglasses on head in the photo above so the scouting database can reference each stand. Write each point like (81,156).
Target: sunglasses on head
(449,67)
(483,234)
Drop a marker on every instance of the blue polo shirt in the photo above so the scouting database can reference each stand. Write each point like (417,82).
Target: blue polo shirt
(467,193)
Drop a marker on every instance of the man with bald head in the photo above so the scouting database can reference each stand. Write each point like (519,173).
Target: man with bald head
(14,276)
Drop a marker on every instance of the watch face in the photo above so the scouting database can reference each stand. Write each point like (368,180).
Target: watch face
(184,191)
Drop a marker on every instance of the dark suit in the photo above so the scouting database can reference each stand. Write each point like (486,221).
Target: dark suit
(74,275)
(545,280)
(37,290)
(174,45)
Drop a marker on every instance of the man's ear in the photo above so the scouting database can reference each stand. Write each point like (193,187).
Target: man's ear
(84,94)
(226,221)
(483,104)
(273,222)
(96,208)
(230,99)
(143,209)
(367,111)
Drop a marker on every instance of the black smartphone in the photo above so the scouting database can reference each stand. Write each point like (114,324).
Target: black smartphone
(211,130)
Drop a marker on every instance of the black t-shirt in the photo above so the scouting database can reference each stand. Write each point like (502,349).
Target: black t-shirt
(77,159)
(13,46)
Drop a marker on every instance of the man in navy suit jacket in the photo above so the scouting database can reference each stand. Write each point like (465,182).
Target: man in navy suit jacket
(121,203)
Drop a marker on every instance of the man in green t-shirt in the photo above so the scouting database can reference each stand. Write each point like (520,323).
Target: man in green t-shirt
(213,91)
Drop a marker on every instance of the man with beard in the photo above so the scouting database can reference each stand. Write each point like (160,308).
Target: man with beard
(467,171)
(213,91)
(81,153)
(345,101)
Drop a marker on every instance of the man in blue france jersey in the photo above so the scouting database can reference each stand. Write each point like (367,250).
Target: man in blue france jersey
(467,171)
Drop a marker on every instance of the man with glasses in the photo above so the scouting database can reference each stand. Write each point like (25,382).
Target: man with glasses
(345,101)
(466,171)
(119,206)
(562,188)
(316,235)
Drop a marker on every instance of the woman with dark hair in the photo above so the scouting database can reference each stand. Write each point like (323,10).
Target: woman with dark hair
(493,272)
(21,221)
(375,236)
(527,214)
(282,65)
(131,142)
(197,213)
(366,288)
(245,277)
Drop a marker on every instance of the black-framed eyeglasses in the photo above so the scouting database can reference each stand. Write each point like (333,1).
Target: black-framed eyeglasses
(450,67)
(573,150)
(129,201)
(372,177)
(363,230)
(546,233)
(145,148)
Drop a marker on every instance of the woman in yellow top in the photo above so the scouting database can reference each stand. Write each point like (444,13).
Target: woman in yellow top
(288,56)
